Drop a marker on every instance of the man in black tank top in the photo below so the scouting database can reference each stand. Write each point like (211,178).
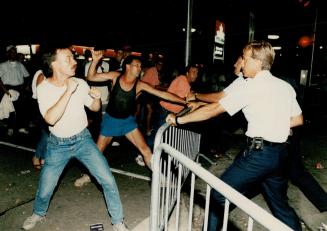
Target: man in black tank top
(119,118)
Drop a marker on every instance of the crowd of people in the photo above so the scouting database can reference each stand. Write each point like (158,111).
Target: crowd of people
(81,107)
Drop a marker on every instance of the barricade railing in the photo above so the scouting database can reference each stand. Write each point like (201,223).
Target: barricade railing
(176,154)
(167,175)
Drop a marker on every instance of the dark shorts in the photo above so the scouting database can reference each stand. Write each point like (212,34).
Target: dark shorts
(111,126)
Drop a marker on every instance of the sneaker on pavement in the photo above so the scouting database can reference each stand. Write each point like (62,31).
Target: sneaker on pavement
(31,221)
(115,143)
(120,227)
(139,160)
(83,180)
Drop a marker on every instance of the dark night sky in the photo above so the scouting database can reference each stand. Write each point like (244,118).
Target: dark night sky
(146,24)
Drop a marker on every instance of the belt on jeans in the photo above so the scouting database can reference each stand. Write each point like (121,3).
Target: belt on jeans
(259,142)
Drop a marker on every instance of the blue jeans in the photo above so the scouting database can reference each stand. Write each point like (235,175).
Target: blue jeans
(82,147)
(41,146)
(266,167)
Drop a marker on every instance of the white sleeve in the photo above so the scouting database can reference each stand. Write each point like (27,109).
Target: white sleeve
(296,109)
(24,70)
(88,100)
(236,99)
(235,84)
(45,100)
(34,96)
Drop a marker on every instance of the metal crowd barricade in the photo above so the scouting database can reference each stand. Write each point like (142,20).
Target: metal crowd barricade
(176,153)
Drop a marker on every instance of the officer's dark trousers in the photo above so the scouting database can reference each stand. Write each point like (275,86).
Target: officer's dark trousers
(266,167)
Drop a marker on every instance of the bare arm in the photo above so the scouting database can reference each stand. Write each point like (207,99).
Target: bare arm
(203,113)
(196,104)
(53,115)
(3,88)
(142,86)
(206,97)
(92,74)
(215,96)
(296,121)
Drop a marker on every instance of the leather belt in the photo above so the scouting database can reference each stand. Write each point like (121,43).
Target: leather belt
(258,143)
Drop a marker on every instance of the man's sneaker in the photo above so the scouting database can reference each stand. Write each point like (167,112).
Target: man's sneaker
(115,143)
(83,180)
(139,160)
(31,221)
(120,227)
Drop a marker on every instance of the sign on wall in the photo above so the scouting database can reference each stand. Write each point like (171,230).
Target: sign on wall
(218,53)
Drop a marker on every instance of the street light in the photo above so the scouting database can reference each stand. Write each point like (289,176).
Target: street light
(192,30)
(273,36)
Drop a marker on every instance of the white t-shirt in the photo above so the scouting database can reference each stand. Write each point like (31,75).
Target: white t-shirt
(268,103)
(74,119)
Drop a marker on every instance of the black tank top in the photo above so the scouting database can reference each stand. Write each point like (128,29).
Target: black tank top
(122,103)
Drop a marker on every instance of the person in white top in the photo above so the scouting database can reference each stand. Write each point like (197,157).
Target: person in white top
(62,100)
(12,76)
(271,109)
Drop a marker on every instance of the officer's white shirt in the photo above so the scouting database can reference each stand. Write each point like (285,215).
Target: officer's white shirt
(268,103)
(235,84)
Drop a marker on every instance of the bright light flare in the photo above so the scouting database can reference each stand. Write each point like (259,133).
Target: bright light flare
(273,36)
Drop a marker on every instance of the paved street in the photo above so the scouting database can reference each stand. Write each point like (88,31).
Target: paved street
(77,208)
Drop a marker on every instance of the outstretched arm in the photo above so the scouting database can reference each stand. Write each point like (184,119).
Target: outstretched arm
(296,121)
(206,97)
(92,74)
(203,113)
(3,88)
(142,86)
(216,96)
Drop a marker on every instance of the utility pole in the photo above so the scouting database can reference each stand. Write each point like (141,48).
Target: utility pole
(188,32)
(313,48)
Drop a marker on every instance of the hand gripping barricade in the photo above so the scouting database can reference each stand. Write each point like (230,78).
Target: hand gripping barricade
(176,153)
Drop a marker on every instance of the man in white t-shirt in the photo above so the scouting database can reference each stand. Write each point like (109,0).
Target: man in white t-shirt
(12,76)
(62,100)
